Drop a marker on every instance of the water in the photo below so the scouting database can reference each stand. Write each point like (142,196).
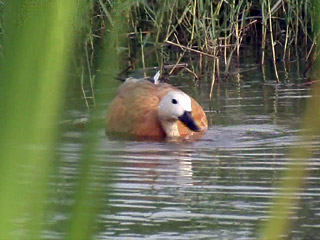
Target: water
(219,187)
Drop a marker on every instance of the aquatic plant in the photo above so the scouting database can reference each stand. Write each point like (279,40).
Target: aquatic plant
(214,31)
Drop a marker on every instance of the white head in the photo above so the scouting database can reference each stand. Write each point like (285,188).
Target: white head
(174,106)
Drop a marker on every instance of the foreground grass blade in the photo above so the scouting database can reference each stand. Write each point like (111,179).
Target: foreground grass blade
(280,221)
(36,45)
(90,192)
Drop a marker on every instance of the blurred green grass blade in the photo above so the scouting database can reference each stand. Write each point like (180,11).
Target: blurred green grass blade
(280,221)
(90,191)
(36,45)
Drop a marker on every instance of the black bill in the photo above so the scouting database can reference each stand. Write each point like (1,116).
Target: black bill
(188,120)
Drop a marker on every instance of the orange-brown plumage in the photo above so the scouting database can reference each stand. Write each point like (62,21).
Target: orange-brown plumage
(134,112)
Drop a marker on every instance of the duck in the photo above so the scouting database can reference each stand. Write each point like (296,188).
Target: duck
(145,110)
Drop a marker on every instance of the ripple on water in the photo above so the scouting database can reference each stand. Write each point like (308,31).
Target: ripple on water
(219,187)
(180,188)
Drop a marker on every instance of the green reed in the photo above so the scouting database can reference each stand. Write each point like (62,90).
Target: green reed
(89,193)
(282,30)
(39,51)
(38,37)
(280,221)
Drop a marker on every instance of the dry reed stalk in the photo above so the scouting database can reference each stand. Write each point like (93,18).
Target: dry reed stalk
(286,43)
(192,72)
(264,34)
(213,74)
(142,56)
(91,77)
(82,88)
(189,49)
(273,44)
(213,79)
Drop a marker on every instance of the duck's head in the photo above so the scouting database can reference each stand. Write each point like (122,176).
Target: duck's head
(176,106)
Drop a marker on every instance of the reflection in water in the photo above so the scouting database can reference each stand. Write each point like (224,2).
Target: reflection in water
(228,190)
(219,187)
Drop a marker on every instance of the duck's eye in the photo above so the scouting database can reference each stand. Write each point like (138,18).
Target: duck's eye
(174,101)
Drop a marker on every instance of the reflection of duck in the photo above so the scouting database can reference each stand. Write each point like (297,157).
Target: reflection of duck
(145,110)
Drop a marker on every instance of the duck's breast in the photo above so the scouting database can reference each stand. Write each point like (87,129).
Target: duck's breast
(200,118)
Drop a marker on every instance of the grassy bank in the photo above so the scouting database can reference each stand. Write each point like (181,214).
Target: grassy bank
(217,30)
(166,32)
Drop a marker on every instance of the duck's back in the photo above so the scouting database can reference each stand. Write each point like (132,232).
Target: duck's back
(134,110)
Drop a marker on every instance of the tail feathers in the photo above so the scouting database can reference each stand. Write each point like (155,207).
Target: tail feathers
(156,78)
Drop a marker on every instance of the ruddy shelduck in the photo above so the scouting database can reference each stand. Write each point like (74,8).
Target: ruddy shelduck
(144,110)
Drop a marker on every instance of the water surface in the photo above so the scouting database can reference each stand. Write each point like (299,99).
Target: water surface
(218,187)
